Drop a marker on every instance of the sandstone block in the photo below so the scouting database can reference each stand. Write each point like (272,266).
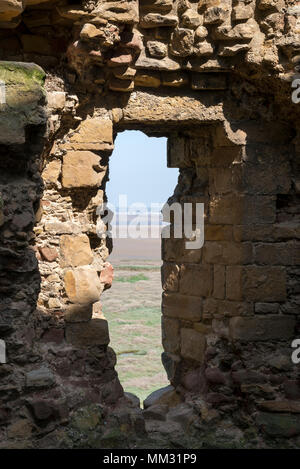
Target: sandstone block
(156,64)
(78,313)
(175,305)
(121,59)
(234,308)
(81,169)
(240,209)
(75,251)
(174,79)
(193,344)
(174,250)
(217,232)
(226,253)
(92,134)
(177,155)
(124,73)
(121,85)
(94,332)
(147,79)
(264,283)
(254,283)
(276,253)
(82,285)
(52,171)
(196,280)
(254,329)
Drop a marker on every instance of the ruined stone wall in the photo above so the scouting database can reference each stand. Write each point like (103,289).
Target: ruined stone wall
(215,78)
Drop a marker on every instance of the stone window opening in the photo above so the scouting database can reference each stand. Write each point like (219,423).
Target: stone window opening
(138,171)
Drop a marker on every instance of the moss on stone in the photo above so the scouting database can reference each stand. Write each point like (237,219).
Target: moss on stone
(21,73)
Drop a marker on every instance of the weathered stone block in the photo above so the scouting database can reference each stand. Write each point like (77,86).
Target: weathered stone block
(121,85)
(82,169)
(92,134)
(227,253)
(234,308)
(174,79)
(52,171)
(147,79)
(177,154)
(82,285)
(175,305)
(220,181)
(193,344)
(174,250)
(75,251)
(264,283)
(241,209)
(254,283)
(94,332)
(253,329)
(217,232)
(276,253)
(78,313)
(196,280)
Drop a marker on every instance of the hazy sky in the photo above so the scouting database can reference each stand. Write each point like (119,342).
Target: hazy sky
(138,168)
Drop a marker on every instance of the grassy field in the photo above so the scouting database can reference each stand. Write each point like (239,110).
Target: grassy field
(132,308)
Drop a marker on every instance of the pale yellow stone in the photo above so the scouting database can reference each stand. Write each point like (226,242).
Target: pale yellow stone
(79,170)
(82,285)
(75,251)
(51,172)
